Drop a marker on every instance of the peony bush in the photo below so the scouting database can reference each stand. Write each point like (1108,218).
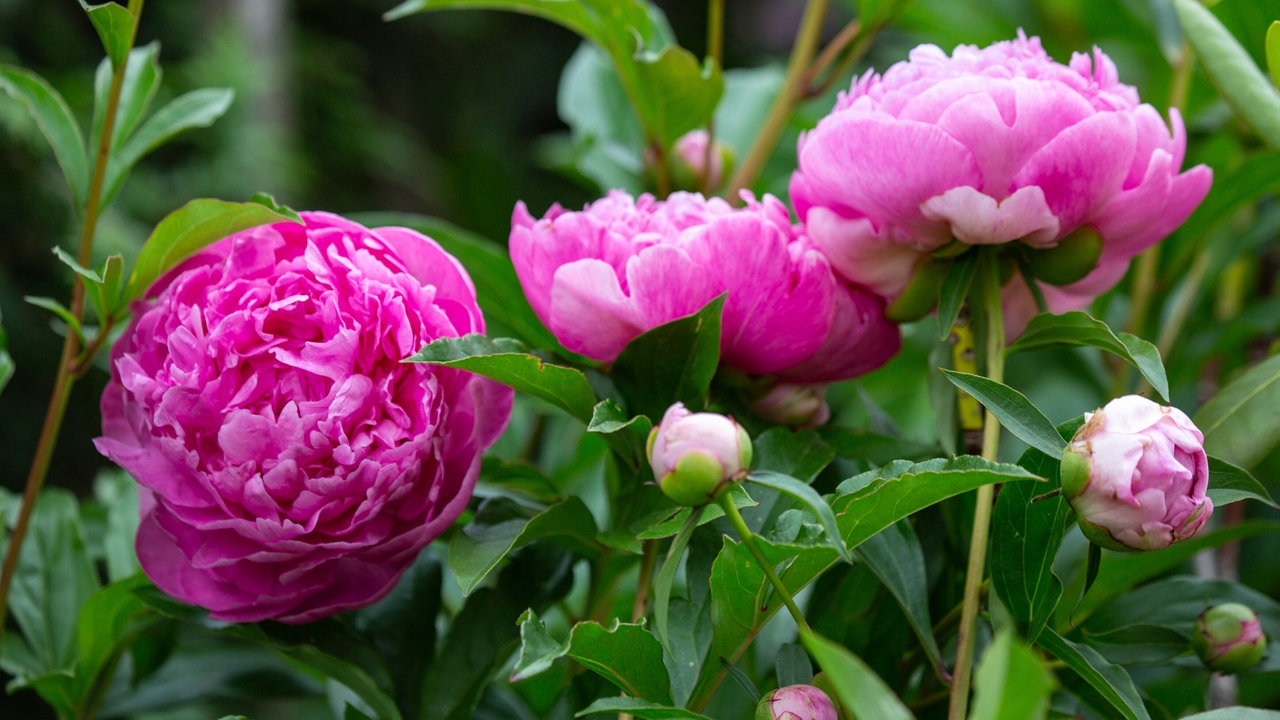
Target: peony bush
(891,426)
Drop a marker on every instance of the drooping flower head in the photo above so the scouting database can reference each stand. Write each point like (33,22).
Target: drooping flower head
(291,466)
(602,276)
(1136,474)
(990,146)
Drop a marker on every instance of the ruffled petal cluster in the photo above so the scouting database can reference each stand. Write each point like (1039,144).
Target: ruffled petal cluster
(602,276)
(1136,473)
(989,146)
(291,466)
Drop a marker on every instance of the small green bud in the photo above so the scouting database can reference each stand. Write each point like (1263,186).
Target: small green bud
(1229,638)
(1075,256)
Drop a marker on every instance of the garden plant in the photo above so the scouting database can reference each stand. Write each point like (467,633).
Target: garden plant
(917,374)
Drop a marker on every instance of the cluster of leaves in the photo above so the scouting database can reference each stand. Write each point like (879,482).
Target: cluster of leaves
(558,598)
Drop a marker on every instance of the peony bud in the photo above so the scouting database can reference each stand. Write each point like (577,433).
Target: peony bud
(689,162)
(794,405)
(695,455)
(796,702)
(1136,474)
(1228,638)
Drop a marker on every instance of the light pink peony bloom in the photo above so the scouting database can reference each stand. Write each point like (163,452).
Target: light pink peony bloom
(695,455)
(290,465)
(1136,474)
(993,145)
(601,277)
(797,702)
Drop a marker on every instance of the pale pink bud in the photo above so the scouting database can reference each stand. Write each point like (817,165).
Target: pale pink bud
(695,455)
(796,702)
(793,404)
(1136,474)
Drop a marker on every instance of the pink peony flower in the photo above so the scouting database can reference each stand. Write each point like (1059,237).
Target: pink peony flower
(290,465)
(601,277)
(989,146)
(1136,474)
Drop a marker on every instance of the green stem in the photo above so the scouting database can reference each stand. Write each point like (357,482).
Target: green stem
(640,606)
(993,315)
(749,540)
(67,365)
(715,54)
(789,96)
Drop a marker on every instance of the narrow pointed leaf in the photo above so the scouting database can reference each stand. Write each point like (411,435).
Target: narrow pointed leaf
(115,26)
(537,648)
(1108,680)
(666,577)
(954,290)
(51,114)
(1273,52)
(1011,682)
(196,109)
(811,500)
(897,559)
(509,362)
(1249,93)
(1014,411)
(1083,330)
(1240,423)
(858,689)
(1228,484)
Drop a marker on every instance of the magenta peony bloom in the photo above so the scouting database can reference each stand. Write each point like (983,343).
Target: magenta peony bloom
(290,465)
(696,455)
(1136,474)
(601,277)
(797,702)
(989,146)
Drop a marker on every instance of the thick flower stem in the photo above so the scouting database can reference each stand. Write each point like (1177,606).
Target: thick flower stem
(789,96)
(993,315)
(749,540)
(715,56)
(68,367)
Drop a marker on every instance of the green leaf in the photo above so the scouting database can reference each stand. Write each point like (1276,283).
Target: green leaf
(1081,329)
(671,363)
(1011,682)
(196,109)
(627,436)
(954,290)
(487,262)
(402,627)
(189,229)
(636,707)
(1110,681)
(876,448)
(626,655)
(868,503)
(501,527)
(1013,409)
(509,362)
(53,579)
(118,495)
(1025,537)
(51,114)
(1233,72)
(801,454)
(1273,52)
(858,689)
(1121,572)
(141,80)
(1228,484)
(115,26)
(811,501)
(666,577)
(110,621)
(897,559)
(1240,423)
(60,310)
(675,94)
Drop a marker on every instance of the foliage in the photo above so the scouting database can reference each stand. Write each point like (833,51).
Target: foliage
(572,586)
